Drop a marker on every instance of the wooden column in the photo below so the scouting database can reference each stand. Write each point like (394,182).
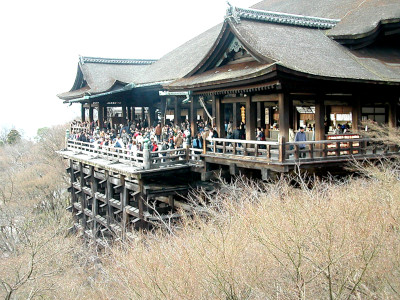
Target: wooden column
(83,196)
(73,195)
(90,112)
(260,114)
(393,112)
(213,111)
(100,115)
(132,113)
(124,112)
(219,116)
(296,119)
(83,113)
(142,114)
(152,115)
(291,112)
(251,116)
(193,115)
(129,112)
(95,205)
(177,111)
(109,195)
(319,118)
(164,106)
(234,115)
(283,103)
(356,114)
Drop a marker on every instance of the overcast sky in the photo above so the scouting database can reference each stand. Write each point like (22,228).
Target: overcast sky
(41,42)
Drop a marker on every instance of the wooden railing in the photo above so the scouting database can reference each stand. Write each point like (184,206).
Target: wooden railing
(78,128)
(142,159)
(282,152)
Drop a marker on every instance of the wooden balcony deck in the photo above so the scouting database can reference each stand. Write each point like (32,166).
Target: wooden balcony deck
(276,156)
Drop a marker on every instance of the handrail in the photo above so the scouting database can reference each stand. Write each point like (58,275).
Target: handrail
(143,159)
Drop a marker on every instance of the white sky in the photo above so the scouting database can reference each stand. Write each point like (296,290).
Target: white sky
(41,41)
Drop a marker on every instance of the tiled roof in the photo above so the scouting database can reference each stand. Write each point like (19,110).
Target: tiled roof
(357,17)
(237,13)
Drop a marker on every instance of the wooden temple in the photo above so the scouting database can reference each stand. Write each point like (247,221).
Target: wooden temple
(279,65)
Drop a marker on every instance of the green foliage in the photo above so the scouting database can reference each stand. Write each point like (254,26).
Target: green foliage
(13,137)
(42,133)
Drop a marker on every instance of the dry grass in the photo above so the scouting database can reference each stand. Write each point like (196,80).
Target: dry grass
(271,241)
(254,240)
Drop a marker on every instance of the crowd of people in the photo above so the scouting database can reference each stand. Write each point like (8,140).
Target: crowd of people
(134,135)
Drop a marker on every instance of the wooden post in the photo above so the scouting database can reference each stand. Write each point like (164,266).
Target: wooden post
(234,115)
(100,116)
(124,113)
(319,118)
(163,109)
(283,103)
(260,114)
(393,112)
(83,113)
(73,195)
(83,195)
(193,116)
(90,112)
(213,111)
(141,203)
(251,115)
(132,114)
(152,115)
(129,113)
(282,149)
(109,195)
(146,159)
(219,111)
(95,207)
(177,111)
(142,114)
(356,114)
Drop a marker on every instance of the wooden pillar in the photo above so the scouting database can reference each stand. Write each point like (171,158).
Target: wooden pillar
(319,117)
(164,106)
(109,195)
(142,114)
(124,112)
(283,103)
(95,205)
(177,111)
(193,116)
(100,115)
(356,114)
(129,112)
(393,112)
(234,115)
(83,196)
(291,112)
(73,195)
(90,112)
(83,113)
(152,115)
(132,114)
(219,116)
(251,116)
(260,114)
(141,204)
(296,119)
(213,111)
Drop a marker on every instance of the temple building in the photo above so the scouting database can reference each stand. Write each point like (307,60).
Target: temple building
(284,63)
(279,65)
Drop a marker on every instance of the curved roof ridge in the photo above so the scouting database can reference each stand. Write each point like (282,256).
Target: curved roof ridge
(236,13)
(122,61)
